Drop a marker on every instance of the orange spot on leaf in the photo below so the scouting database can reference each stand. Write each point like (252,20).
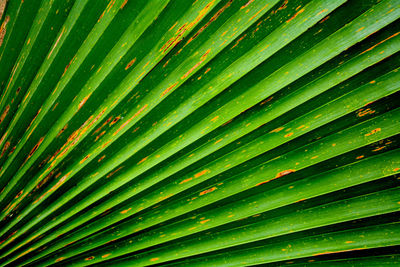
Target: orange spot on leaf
(83,101)
(60,259)
(130,119)
(168,89)
(219,140)
(283,173)
(215,118)
(125,211)
(201,173)
(378,148)
(121,7)
(4,113)
(288,135)
(113,172)
(277,130)
(130,63)
(208,191)
(204,221)
(295,15)
(101,158)
(186,180)
(142,160)
(84,159)
(248,3)
(363,112)
(372,47)
(360,29)
(373,131)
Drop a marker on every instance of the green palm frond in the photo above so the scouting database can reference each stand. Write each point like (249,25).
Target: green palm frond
(207,132)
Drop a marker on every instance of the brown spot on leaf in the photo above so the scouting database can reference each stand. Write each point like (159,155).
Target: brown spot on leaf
(123,4)
(115,120)
(3,29)
(213,18)
(6,146)
(19,194)
(166,91)
(208,191)
(258,12)
(100,135)
(266,100)
(295,15)
(324,19)
(285,172)
(288,135)
(43,181)
(101,158)
(2,7)
(130,119)
(113,172)
(62,130)
(363,112)
(130,63)
(66,67)
(378,148)
(373,131)
(283,6)
(322,11)
(58,39)
(203,57)
(248,3)
(372,47)
(4,113)
(238,41)
(35,147)
(84,159)
(60,259)
(55,187)
(84,101)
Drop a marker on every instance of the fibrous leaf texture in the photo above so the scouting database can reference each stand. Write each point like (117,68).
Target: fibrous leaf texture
(199,132)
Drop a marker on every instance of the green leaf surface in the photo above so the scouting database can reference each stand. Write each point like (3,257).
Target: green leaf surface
(204,132)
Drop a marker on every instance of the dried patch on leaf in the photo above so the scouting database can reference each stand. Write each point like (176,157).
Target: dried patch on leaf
(3,29)
(373,131)
(208,191)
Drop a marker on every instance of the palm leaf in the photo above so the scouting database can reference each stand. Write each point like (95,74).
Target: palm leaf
(224,132)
